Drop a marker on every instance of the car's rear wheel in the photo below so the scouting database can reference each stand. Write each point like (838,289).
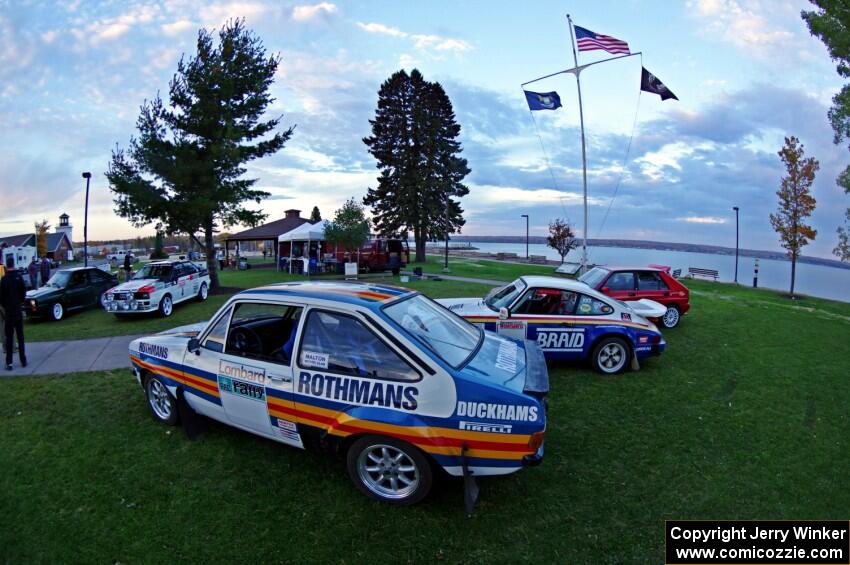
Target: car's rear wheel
(389,470)
(162,404)
(57,312)
(671,317)
(610,356)
(166,306)
(203,293)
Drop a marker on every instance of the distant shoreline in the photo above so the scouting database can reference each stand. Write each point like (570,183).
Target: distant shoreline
(660,245)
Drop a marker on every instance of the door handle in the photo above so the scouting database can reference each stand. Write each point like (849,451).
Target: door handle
(631,294)
(666,294)
(280,378)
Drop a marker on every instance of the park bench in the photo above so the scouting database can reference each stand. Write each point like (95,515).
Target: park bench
(503,256)
(707,273)
(537,259)
(677,273)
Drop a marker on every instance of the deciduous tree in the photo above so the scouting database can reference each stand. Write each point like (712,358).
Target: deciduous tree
(561,237)
(41,237)
(350,228)
(415,141)
(795,202)
(185,170)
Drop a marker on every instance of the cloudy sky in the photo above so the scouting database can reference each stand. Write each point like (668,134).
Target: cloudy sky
(73,75)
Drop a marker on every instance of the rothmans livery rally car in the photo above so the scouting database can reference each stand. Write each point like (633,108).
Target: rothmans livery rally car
(396,383)
(157,287)
(568,320)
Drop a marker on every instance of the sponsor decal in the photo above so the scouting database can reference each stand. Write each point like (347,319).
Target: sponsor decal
(153,350)
(561,339)
(485,427)
(643,339)
(626,317)
(242,371)
(455,307)
(515,412)
(286,425)
(506,357)
(584,308)
(314,359)
(241,388)
(356,391)
(512,328)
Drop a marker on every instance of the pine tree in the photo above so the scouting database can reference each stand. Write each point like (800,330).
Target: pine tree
(414,139)
(795,202)
(184,171)
(315,215)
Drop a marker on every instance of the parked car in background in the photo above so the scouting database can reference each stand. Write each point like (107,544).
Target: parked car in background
(69,290)
(635,283)
(158,286)
(400,386)
(568,321)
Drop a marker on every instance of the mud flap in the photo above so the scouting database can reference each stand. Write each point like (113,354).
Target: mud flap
(635,365)
(470,487)
(193,423)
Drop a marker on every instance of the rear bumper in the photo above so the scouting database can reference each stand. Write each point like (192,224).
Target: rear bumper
(536,459)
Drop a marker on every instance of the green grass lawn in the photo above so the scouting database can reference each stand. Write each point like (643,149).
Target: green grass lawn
(482,268)
(744,416)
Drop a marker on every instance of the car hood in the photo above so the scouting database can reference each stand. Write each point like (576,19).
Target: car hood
(136,284)
(189,330)
(516,365)
(466,307)
(44,292)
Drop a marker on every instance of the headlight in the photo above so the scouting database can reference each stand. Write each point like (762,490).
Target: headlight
(134,305)
(33,303)
(110,297)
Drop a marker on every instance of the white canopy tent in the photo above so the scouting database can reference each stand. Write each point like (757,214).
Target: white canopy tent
(305,232)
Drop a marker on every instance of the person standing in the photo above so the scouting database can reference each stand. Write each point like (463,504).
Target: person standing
(12,295)
(45,270)
(128,267)
(32,271)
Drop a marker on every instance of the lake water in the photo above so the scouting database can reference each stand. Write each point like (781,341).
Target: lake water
(814,280)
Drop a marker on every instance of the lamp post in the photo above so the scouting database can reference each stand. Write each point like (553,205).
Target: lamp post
(526,234)
(86,176)
(446,264)
(736,243)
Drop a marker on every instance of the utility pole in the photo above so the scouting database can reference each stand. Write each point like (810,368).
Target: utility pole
(86,176)
(736,243)
(526,234)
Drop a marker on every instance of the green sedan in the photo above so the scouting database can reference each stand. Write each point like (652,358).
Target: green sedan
(69,290)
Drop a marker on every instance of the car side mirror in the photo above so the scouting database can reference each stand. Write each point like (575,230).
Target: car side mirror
(504,313)
(605,290)
(194,346)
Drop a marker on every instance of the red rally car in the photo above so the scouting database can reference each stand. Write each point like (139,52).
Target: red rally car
(635,283)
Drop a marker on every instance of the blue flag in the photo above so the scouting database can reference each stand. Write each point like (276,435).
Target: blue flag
(542,100)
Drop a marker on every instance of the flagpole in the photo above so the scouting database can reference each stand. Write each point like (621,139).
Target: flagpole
(583,148)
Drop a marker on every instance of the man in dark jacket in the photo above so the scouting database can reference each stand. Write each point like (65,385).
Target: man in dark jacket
(32,271)
(45,270)
(12,295)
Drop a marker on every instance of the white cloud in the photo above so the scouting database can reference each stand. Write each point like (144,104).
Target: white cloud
(309,12)
(702,220)
(420,41)
(500,195)
(176,28)
(218,14)
(749,25)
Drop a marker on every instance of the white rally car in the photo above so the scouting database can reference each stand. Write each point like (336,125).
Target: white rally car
(158,286)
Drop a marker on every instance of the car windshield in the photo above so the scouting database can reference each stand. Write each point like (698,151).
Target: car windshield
(161,272)
(503,296)
(59,279)
(593,277)
(450,337)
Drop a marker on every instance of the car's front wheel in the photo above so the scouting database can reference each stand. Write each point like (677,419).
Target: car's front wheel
(389,470)
(671,317)
(57,312)
(203,293)
(610,356)
(162,404)
(166,306)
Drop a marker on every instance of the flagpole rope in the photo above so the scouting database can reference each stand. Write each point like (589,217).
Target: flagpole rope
(623,172)
(543,148)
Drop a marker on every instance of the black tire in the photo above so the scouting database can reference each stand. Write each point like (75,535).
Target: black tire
(162,404)
(203,292)
(412,466)
(57,312)
(166,306)
(671,317)
(611,355)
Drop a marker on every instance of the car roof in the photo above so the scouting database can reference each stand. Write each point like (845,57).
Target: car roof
(614,268)
(563,284)
(372,296)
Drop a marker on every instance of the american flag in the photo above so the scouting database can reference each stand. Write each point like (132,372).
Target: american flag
(589,41)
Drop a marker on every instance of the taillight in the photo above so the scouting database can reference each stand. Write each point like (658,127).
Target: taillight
(536,440)
(656,338)
(148,288)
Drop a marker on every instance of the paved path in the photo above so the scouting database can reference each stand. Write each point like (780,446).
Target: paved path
(491,282)
(73,356)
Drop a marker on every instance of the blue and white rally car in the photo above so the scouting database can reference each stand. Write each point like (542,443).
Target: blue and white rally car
(568,320)
(397,383)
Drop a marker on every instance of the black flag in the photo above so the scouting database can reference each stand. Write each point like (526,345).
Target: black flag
(650,83)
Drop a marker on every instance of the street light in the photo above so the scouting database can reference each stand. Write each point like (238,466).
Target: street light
(86,176)
(526,234)
(736,243)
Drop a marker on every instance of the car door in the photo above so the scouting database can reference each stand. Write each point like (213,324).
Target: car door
(178,277)
(620,285)
(78,292)
(546,316)
(653,287)
(192,276)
